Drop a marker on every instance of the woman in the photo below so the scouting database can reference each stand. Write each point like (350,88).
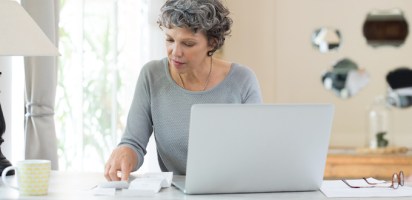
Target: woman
(167,88)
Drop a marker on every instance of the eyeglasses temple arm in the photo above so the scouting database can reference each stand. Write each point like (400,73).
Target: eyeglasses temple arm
(366,180)
(350,185)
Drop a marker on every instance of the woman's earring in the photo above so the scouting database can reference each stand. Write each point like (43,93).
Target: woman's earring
(210,53)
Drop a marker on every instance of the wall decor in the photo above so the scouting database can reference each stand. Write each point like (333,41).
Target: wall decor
(326,39)
(385,28)
(345,79)
(400,87)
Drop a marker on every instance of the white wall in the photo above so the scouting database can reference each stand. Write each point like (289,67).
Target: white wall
(252,40)
(273,38)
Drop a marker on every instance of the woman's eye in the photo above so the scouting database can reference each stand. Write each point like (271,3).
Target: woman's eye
(189,44)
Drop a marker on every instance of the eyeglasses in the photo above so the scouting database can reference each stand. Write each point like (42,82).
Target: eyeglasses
(398,179)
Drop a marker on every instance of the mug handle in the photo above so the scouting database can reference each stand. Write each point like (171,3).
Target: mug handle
(3,177)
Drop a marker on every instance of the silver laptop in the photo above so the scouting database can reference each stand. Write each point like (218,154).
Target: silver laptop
(244,148)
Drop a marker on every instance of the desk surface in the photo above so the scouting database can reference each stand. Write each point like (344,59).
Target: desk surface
(348,163)
(74,185)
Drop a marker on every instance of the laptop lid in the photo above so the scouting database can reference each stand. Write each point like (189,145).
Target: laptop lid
(241,148)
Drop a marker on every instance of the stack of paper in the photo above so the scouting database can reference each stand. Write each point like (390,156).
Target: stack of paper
(149,184)
(142,185)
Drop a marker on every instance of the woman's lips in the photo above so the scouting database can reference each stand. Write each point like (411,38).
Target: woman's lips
(177,63)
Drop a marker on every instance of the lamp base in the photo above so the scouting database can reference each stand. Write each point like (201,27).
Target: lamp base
(5,163)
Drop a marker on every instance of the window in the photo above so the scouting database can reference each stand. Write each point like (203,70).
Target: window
(103,45)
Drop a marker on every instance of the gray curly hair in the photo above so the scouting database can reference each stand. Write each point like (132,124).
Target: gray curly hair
(208,16)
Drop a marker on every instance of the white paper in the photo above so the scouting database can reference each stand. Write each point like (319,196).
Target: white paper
(114,184)
(143,185)
(104,191)
(165,176)
(337,188)
(151,185)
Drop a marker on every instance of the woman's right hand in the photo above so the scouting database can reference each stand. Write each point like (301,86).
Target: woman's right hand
(123,160)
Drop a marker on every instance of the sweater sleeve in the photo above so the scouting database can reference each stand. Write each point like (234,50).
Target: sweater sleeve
(251,90)
(139,125)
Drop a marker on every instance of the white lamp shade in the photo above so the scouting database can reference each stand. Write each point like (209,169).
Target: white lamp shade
(19,33)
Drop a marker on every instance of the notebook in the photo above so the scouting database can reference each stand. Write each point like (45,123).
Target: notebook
(245,148)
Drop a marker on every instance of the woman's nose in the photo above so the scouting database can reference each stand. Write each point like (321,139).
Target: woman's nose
(176,50)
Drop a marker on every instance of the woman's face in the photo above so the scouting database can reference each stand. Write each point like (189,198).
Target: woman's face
(186,50)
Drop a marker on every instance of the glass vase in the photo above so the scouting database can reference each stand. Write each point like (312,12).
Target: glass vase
(379,124)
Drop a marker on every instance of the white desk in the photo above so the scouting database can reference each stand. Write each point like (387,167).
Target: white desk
(73,185)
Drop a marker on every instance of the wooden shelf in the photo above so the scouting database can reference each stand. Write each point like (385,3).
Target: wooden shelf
(349,164)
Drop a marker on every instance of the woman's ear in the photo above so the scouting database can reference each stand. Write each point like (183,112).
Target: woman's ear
(212,44)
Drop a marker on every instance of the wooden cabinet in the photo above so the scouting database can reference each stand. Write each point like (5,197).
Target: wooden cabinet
(350,164)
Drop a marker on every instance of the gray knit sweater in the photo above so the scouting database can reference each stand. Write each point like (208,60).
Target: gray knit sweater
(163,107)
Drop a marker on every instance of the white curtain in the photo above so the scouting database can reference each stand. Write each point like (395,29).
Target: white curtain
(41,81)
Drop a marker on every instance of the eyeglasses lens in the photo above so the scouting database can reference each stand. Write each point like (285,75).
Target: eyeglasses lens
(395,181)
(401,178)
